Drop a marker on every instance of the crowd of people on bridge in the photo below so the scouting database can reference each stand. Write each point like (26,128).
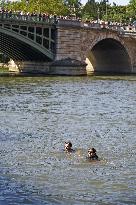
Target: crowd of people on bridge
(25,15)
(45,17)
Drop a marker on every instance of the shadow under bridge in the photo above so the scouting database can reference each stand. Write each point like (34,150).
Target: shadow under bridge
(110,56)
(21,43)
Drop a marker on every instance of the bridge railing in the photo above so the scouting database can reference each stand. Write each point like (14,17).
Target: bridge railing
(95,25)
(128,33)
(7,16)
(27,18)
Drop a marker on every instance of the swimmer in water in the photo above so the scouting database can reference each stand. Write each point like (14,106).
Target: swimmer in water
(68,147)
(92,154)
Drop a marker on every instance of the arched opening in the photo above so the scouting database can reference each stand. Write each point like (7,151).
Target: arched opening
(4,60)
(7,64)
(108,56)
(23,49)
(24,55)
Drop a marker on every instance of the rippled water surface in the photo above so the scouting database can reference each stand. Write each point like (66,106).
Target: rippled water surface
(38,114)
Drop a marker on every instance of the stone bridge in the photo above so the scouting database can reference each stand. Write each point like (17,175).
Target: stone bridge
(66,47)
(103,49)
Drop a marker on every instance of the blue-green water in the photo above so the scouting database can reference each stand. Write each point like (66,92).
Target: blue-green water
(38,114)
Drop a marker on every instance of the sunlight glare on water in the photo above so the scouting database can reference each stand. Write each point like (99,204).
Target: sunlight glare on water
(38,114)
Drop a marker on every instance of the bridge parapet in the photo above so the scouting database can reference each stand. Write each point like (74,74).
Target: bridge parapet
(59,22)
(124,31)
(27,18)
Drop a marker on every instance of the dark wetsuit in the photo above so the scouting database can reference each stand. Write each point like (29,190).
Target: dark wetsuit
(69,151)
(95,157)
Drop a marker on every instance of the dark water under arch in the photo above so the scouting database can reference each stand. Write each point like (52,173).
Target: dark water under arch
(110,56)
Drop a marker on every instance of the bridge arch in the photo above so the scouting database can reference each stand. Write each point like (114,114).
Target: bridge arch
(108,55)
(20,48)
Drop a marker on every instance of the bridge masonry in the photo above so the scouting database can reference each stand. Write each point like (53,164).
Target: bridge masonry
(66,47)
(68,58)
(130,45)
(81,50)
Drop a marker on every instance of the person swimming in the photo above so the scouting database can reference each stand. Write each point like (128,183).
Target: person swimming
(68,147)
(92,154)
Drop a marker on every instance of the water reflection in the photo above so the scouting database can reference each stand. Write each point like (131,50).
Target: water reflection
(37,115)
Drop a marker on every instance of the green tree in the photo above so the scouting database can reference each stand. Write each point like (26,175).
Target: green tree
(44,6)
(90,10)
(132,9)
(118,13)
(73,7)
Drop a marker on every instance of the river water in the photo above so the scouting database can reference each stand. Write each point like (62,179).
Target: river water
(38,114)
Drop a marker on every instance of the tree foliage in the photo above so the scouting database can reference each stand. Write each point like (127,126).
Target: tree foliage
(132,9)
(44,6)
(105,11)
(73,6)
(92,10)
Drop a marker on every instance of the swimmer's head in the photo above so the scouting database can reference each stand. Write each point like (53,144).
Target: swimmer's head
(91,152)
(68,146)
